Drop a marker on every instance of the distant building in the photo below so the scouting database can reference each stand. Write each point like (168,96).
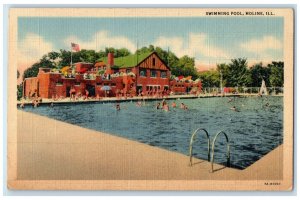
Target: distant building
(131,75)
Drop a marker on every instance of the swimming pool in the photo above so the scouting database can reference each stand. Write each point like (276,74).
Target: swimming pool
(253,131)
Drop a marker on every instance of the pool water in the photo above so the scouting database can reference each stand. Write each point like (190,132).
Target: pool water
(253,131)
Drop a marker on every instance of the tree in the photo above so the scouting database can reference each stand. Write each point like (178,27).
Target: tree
(187,65)
(210,78)
(122,52)
(32,71)
(236,73)
(100,55)
(18,74)
(87,56)
(259,73)
(19,91)
(65,58)
(179,66)
(50,60)
(276,74)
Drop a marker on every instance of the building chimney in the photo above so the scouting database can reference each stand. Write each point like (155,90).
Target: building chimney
(110,59)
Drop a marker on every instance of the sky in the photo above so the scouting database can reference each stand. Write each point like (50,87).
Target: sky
(210,40)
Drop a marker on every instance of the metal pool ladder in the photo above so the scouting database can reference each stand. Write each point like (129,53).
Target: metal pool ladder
(210,158)
(213,149)
(192,141)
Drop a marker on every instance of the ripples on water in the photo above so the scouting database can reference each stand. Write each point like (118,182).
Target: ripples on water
(253,132)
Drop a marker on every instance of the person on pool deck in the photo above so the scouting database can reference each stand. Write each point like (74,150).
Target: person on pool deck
(173,104)
(86,94)
(22,105)
(35,103)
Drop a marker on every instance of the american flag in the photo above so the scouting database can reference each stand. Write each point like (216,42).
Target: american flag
(75,47)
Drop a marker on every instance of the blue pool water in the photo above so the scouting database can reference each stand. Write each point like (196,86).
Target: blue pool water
(253,132)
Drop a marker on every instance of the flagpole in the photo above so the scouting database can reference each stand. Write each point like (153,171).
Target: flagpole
(71,55)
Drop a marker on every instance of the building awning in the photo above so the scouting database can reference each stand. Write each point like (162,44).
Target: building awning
(105,88)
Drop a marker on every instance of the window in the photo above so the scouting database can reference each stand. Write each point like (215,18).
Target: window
(128,71)
(153,73)
(153,61)
(163,74)
(142,72)
(59,83)
(77,83)
(113,84)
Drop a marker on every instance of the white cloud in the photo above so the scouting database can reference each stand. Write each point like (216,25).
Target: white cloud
(31,49)
(262,45)
(197,44)
(101,40)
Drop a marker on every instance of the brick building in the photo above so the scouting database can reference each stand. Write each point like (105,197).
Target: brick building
(132,75)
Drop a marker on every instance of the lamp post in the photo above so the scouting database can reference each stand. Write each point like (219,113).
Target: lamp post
(221,81)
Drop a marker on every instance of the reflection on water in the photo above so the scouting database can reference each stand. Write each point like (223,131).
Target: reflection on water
(253,131)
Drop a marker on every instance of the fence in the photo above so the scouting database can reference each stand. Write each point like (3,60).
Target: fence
(243,90)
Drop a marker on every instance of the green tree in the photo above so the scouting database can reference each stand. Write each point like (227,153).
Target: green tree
(236,74)
(122,52)
(19,91)
(143,50)
(100,55)
(31,71)
(88,56)
(210,78)
(187,64)
(109,50)
(276,74)
(50,60)
(259,73)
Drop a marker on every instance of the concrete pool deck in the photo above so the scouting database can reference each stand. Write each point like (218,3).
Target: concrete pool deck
(48,149)
(55,155)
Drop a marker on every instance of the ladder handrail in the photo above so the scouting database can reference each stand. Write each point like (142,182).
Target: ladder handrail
(213,149)
(192,140)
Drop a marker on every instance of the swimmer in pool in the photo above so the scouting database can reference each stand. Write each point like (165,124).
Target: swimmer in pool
(158,106)
(173,104)
(139,104)
(183,106)
(234,109)
(118,108)
(165,107)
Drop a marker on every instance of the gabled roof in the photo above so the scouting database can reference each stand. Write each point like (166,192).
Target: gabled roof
(129,61)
